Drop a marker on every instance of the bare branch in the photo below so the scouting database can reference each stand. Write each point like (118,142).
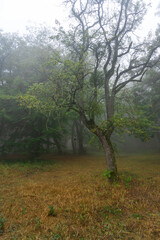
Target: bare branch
(120,16)
(132,79)
(128,50)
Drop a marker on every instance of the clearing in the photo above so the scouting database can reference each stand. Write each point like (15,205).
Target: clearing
(68,197)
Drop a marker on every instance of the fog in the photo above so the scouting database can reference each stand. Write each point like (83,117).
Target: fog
(29,120)
(16,15)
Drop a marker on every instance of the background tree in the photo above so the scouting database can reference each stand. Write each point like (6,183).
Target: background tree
(23,63)
(147,95)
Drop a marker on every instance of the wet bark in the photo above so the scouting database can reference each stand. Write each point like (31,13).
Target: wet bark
(107,147)
(110,158)
(109,155)
(77,137)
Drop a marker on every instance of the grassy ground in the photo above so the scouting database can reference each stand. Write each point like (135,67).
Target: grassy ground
(69,198)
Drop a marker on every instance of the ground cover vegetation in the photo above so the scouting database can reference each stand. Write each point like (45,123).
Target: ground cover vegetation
(69,198)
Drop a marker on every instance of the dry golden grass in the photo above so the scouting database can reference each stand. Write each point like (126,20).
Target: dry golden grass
(86,206)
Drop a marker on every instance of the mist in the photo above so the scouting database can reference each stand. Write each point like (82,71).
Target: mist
(79,120)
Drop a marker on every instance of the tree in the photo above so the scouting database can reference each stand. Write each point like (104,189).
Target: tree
(104,56)
(77,136)
(100,56)
(147,95)
(22,63)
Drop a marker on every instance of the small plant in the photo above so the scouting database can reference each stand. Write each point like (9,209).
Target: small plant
(82,218)
(108,173)
(127,180)
(24,210)
(2,221)
(112,210)
(137,216)
(51,211)
(56,237)
(38,222)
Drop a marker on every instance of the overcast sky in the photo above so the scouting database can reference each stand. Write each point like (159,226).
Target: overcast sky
(15,15)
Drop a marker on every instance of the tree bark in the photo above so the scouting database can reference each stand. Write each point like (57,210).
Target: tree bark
(110,156)
(107,147)
(79,128)
(74,139)
(77,137)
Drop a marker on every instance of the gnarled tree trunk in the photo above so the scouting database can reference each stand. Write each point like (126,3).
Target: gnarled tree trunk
(107,146)
(110,157)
